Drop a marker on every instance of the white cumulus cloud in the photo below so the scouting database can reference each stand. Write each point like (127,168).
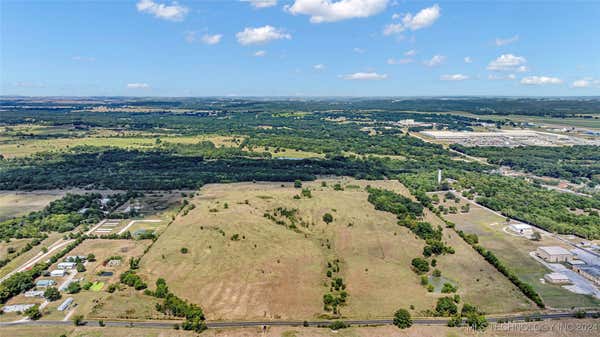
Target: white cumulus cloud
(261,3)
(504,41)
(411,52)
(424,18)
(468,59)
(211,39)
(260,35)
(508,62)
(436,60)
(331,11)
(393,28)
(173,12)
(365,76)
(540,80)
(454,77)
(319,67)
(138,85)
(260,53)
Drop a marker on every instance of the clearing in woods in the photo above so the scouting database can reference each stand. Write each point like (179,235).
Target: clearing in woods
(241,265)
(13,204)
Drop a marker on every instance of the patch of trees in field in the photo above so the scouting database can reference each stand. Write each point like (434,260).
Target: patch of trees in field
(337,295)
(175,306)
(566,162)
(408,212)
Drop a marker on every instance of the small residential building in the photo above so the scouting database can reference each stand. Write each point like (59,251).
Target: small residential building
(521,228)
(592,273)
(58,273)
(66,265)
(34,293)
(554,254)
(16,307)
(44,283)
(64,305)
(557,278)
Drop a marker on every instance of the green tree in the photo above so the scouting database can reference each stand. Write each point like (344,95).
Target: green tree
(328,218)
(420,265)
(297,184)
(33,313)
(402,319)
(446,306)
(476,321)
(73,288)
(52,294)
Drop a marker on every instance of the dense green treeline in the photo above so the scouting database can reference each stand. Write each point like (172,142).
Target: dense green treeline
(388,201)
(554,211)
(89,167)
(567,162)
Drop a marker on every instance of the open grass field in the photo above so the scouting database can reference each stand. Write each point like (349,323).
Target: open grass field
(532,329)
(274,272)
(13,204)
(12,147)
(514,251)
(288,153)
(19,148)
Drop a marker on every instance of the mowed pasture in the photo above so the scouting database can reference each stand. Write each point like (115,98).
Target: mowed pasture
(514,251)
(269,271)
(14,204)
(11,148)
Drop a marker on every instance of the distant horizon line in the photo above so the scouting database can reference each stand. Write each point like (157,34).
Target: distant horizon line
(306,96)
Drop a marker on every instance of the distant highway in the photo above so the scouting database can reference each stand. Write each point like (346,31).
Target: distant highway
(246,324)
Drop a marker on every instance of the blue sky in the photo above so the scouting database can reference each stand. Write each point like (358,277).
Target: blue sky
(299,47)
